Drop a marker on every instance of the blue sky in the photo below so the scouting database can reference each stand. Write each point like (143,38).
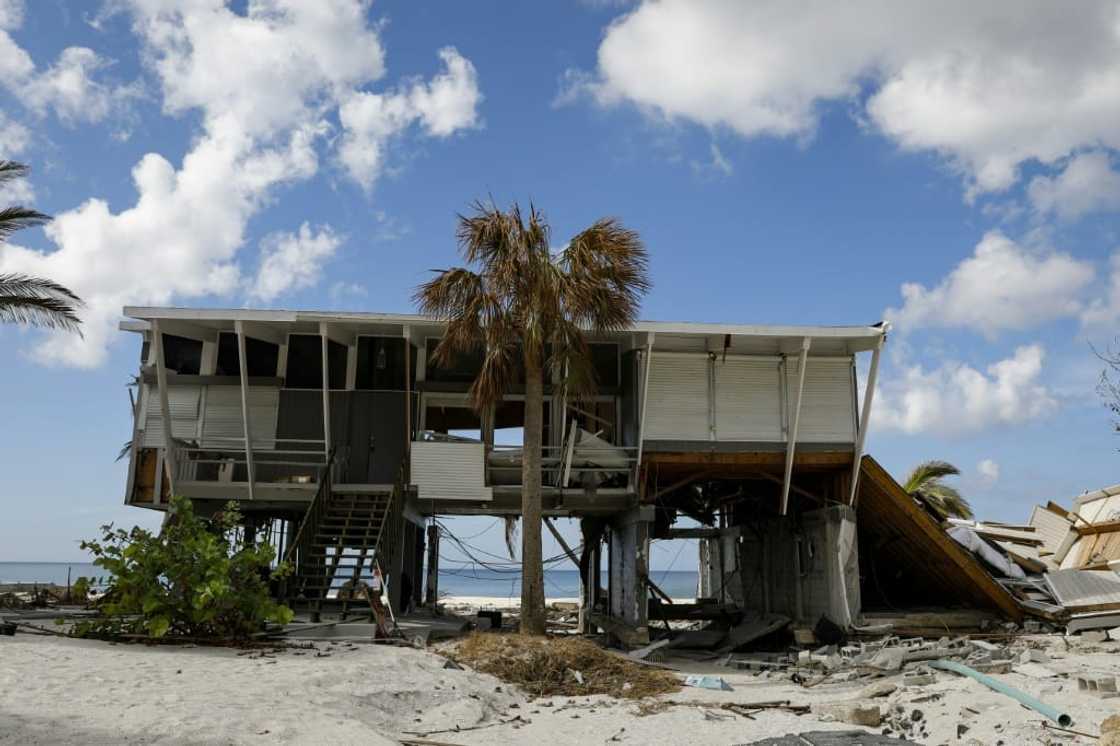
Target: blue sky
(794,168)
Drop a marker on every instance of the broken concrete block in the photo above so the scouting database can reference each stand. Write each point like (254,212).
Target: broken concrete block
(804,636)
(877,689)
(1035,670)
(888,659)
(1032,626)
(1097,685)
(1114,633)
(1094,635)
(994,666)
(1033,656)
(984,645)
(856,713)
(918,678)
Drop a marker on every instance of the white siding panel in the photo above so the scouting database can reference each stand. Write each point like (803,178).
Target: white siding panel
(222,420)
(677,402)
(449,471)
(182,403)
(827,406)
(748,404)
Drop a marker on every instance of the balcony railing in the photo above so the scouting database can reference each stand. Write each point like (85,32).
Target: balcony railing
(280,461)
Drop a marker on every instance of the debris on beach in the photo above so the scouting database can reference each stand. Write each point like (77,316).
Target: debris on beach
(544,666)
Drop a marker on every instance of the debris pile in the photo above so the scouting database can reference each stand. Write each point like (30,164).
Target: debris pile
(547,666)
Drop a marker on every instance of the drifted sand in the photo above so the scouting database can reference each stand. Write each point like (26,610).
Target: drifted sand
(62,691)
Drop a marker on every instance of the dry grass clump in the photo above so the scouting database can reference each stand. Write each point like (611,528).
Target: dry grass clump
(546,666)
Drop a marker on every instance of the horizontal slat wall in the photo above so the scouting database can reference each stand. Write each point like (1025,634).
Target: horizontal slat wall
(748,405)
(182,402)
(449,471)
(828,403)
(677,401)
(222,416)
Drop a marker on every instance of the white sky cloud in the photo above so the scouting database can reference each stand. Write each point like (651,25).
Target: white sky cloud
(987,85)
(956,397)
(266,84)
(988,471)
(1001,286)
(291,261)
(1088,183)
(1105,312)
(69,88)
(446,104)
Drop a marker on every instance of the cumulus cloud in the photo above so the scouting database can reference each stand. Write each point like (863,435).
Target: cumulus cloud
(446,104)
(291,261)
(266,83)
(988,471)
(69,87)
(989,85)
(1001,286)
(1105,311)
(1087,184)
(955,397)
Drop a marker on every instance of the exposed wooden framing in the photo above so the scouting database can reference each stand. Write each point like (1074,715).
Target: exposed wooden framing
(165,409)
(792,487)
(560,540)
(702,532)
(1106,527)
(676,485)
(242,365)
(865,419)
(750,459)
(792,438)
(324,337)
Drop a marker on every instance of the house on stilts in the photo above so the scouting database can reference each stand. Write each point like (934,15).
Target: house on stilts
(338,434)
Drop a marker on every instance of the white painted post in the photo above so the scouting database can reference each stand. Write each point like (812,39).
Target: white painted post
(242,366)
(326,389)
(165,410)
(865,419)
(645,390)
(792,442)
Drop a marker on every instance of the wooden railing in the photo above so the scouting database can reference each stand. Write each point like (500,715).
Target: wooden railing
(300,547)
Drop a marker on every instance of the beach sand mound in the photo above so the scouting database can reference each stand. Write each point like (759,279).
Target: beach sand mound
(550,666)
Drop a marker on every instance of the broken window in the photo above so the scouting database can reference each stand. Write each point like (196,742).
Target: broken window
(260,356)
(305,362)
(381,363)
(182,355)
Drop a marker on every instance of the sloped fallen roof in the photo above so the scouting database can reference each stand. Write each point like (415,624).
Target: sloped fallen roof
(885,508)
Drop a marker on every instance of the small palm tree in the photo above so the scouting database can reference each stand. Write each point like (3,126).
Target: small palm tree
(32,300)
(526,307)
(926,482)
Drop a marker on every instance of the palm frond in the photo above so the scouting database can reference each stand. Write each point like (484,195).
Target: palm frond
(13,219)
(929,471)
(36,287)
(11,170)
(49,313)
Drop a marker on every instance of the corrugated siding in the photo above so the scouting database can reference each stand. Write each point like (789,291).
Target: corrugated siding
(222,416)
(182,403)
(748,406)
(1084,587)
(450,471)
(827,405)
(677,402)
(1055,531)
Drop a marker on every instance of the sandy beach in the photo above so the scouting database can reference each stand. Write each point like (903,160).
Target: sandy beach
(63,691)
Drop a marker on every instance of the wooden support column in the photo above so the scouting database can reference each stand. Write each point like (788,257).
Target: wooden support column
(242,366)
(169,458)
(865,419)
(326,389)
(431,587)
(792,442)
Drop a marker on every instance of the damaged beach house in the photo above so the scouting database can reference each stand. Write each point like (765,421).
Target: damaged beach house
(343,442)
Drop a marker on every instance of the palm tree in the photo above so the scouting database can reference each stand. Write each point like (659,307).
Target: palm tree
(528,308)
(25,299)
(926,483)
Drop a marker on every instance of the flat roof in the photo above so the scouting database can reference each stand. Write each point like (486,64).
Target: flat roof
(668,335)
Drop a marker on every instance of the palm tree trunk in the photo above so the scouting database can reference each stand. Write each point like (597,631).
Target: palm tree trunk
(532,569)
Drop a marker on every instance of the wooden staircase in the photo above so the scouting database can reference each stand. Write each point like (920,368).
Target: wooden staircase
(342,542)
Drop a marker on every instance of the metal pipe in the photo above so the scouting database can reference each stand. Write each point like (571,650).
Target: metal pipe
(1061,718)
(864,420)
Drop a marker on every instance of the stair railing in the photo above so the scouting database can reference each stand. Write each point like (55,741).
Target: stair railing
(389,537)
(300,547)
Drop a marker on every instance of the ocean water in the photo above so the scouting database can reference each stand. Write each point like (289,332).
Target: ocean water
(453,581)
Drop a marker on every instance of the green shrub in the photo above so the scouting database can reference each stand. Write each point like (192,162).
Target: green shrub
(196,578)
(79,592)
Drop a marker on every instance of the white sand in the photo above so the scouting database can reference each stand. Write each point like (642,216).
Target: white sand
(59,691)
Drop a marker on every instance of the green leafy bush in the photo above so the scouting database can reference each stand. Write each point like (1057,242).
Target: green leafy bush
(196,578)
(79,593)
